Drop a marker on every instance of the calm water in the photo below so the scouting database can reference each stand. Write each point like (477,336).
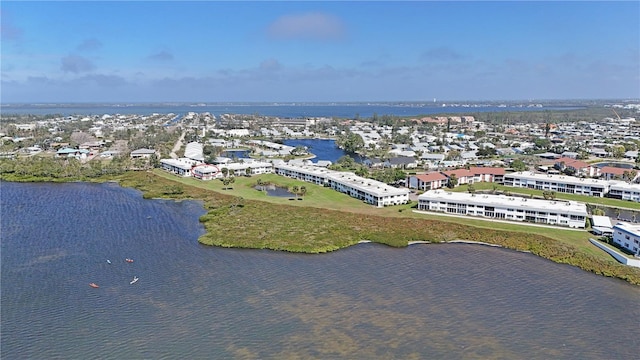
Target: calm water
(615,164)
(369,301)
(283,110)
(322,149)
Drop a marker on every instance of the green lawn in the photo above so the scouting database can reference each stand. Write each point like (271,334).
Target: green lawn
(622,204)
(327,220)
(326,198)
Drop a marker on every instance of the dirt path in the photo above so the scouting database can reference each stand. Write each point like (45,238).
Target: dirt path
(177,146)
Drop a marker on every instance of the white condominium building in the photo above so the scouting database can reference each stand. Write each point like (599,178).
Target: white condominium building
(563,213)
(248,167)
(180,166)
(370,191)
(206,172)
(624,190)
(627,236)
(557,183)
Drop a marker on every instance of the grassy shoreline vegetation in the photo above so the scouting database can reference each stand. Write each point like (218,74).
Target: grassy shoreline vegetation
(325,220)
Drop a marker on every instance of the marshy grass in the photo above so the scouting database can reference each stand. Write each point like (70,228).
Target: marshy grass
(325,221)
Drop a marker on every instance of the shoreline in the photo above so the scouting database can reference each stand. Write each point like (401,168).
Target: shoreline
(233,222)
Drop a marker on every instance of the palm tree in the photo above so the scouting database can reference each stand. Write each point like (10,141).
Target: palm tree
(294,189)
(303,190)
(225,183)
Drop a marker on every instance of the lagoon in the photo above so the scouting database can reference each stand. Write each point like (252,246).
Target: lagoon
(200,302)
(323,149)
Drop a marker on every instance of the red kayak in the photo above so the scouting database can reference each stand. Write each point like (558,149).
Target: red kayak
(94,285)
(128,260)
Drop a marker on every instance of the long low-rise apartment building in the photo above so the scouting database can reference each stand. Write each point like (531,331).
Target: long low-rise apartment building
(624,191)
(557,183)
(248,167)
(206,172)
(181,167)
(627,236)
(370,191)
(563,213)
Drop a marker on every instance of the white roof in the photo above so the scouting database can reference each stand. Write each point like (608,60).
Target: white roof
(621,185)
(206,169)
(558,179)
(143,152)
(244,165)
(370,186)
(182,163)
(503,201)
(601,221)
(194,151)
(633,229)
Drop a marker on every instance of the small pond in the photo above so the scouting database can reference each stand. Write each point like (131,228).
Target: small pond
(273,190)
(615,164)
(237,154)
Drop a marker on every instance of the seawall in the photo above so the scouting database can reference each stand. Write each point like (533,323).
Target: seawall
(616,255)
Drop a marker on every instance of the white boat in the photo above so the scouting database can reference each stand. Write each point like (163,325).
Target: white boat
(108,261)
(135,279)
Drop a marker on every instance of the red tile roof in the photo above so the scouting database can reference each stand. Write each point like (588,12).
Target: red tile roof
(432,176)
(612,170)
(459,173)
(478,170)
(569,162)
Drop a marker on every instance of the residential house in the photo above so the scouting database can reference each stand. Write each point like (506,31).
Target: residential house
(142,153)
(70,152)
(403,162)
(375,163)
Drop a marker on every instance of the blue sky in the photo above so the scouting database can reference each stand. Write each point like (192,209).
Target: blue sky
(208,51)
